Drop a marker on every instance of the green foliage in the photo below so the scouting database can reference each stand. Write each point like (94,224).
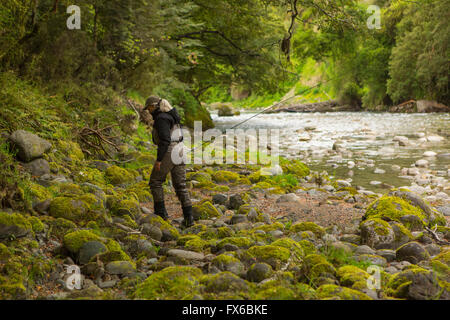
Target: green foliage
(419,63)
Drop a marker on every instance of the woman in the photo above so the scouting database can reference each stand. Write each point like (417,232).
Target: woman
(166,121)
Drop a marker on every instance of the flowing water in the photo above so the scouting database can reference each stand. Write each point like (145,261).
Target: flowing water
(367,139)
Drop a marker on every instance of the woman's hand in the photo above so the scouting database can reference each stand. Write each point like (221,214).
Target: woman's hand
(157,165)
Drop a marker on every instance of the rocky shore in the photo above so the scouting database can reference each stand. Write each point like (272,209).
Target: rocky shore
(412,106)
(297,235)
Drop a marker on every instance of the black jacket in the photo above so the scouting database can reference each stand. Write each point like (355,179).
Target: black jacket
(163,123)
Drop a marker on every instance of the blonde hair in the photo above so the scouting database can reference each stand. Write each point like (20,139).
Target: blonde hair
(165,106)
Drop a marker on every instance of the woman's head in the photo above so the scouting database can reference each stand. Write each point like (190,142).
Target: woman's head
(155,102)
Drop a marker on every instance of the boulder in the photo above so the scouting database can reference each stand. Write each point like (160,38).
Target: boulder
(120,268)
(412,252)
(89,250)
(38,167)
(29,145)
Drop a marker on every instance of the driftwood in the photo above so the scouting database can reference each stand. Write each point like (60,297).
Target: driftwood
(436,237)
(97,138)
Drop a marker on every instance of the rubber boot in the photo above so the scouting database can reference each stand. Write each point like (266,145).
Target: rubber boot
(160,210)
(188,217)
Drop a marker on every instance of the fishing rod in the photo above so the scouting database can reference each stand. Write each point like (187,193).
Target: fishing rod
(265,110)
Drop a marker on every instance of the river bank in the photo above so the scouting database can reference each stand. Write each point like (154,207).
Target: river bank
(297,235)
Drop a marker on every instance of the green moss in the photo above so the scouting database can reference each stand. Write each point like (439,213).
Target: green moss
(307,246)
(224,232)
(164,225)
(90,175)
(270,227)
(272,187)
(116,175)
(70,149)
(398,284)
(441,263)
(4,253)
(222,176)
(36,224)
(295,167)
(204,179)
(276,293)
(16,220)
(38,192)
(308,226)
(293,246)
(206,210)
(141,190)
(175,283)
(74,209)
(59,227)
(70,189)
(393,208)
(115,253)
(126,207)
(241,242)
(12,290)
(317,265)
(74,241)
(196,245)
(224,259)
(224,282)
(329,291)
(353,277)
(270,254)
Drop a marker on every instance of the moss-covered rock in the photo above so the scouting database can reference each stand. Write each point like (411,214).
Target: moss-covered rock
(275,256)
(307,246)
(293,246)
(415,283)
(204,179)
(223,176)
(119,176)
(401,210)
(14,225)
(59,227)
(330,291)
(141,191)
(36,224)
(276,292)
(352,277)
(70,150)
(172,283)
(316,266)
(205,210)
(126,207)
(223,282)
(196,244)
(441,263)
(163,225)
(308,226)
(73,209)
(73,241)
(377,233)
(241,242)
(295,167)
(225,262)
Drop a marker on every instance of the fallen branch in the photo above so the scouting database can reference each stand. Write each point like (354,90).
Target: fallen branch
(436,237)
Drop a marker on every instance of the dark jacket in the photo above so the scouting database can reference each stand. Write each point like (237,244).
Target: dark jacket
(163,123)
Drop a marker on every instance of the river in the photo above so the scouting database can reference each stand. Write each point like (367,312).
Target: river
(363,138)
